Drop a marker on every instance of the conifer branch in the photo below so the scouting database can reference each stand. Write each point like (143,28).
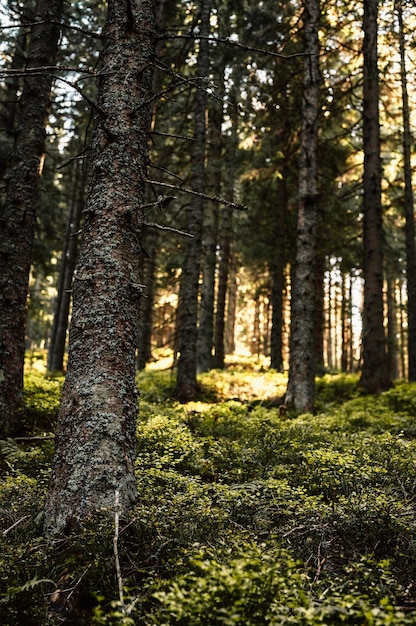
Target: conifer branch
(236,44)
(193,81)
(60,24)
(173,136)
(223,201)
(41,69)
(166,171)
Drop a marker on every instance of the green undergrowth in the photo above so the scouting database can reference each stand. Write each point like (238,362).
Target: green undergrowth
(244,515)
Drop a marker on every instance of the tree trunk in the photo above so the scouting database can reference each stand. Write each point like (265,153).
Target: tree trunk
(392,346)
(277,274)
(10,97)
(151,244)
(56,351)
(18,214)
(232,289)
(95,438)
(319,315)
(151,236)
(301,384)
(210,240)
(225,239)
(408,207)
(345,323)
(374,375)
(186,383)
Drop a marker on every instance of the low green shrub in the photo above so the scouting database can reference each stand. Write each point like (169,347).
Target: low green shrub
(263,584)
(244,516)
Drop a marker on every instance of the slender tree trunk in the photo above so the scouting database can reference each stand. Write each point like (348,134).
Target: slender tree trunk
(345,325)
(225,240)
(319,315)
(408,206)
(56,351)
(301,384)
(374,375)
(18,214)
(207,303)
(329,331)
(210,240)
(229,338)
(12,85)
(402,333)
(95,438)
(206,328)
(392,347)
(277,274)
(151,244)
(186,383)
(151,236)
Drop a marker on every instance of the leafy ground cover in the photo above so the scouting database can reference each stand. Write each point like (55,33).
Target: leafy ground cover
(246,515)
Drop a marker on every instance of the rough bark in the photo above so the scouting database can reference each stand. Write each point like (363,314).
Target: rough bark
(18,213)
(408,206)
(95,437)
(374,375)
(186,382)
(301,384)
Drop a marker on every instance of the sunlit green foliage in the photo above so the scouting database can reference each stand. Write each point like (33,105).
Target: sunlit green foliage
(244,516)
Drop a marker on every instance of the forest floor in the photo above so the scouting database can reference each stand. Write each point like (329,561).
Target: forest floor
(245,516)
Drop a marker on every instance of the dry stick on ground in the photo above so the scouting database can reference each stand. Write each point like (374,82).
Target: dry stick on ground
(22,519)
(115,548)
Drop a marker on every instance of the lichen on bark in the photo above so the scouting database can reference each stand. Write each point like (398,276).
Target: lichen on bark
(95,438)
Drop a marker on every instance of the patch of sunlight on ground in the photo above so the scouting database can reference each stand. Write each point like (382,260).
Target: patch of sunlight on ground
(35,361)
(246,386)
(163,360)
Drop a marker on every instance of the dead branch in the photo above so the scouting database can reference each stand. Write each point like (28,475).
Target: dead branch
(156,132)
(223,201)
(169,228)
(237,44)
(22,519)
(60,24)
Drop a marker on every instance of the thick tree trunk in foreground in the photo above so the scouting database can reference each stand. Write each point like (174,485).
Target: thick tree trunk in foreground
(95,438)
(301,385)
(186,383)
(374,376)
(18,213)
